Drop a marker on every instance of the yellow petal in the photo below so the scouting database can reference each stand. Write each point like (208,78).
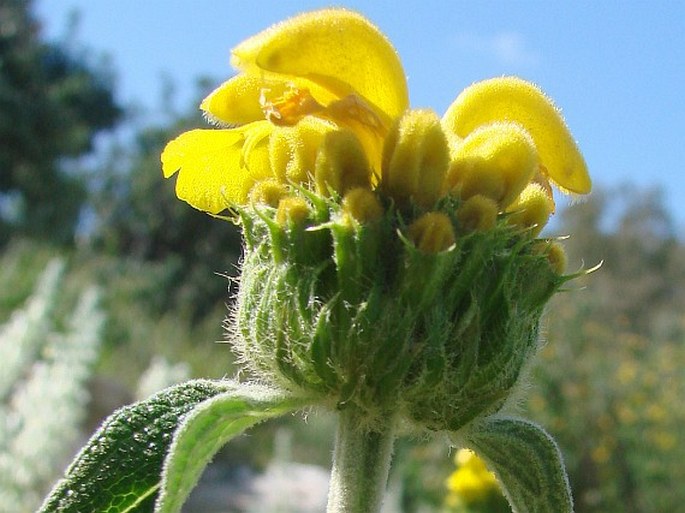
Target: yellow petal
(246,98)
(336,49)
(256,159)
(237,101)
(513,99)
(213,168)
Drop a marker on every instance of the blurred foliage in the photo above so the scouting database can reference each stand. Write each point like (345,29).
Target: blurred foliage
(134,332)
(138,215)
(156,258)
(610,381)
(45,369)
(53,103)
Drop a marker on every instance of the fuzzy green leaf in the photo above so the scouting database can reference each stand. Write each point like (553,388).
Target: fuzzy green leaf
(119,469)
(527,463)
(208,428)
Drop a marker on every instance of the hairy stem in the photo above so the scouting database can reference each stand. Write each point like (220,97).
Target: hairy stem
(361,462)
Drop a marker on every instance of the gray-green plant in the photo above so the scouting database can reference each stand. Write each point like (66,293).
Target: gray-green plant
(24,334)
(45,367)
(159,375)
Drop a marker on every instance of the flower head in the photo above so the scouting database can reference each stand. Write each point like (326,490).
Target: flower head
(330,71)
(391,256)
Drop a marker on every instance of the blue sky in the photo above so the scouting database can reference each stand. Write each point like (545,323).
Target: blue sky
(616,68)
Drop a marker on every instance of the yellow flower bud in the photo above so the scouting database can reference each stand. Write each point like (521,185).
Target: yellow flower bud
(556,255)
(478,213)
(292,211)
(532,208)
(362,205)
(432,232)
(496,161)
(293,150)
(468,177)
(268,192)
(341,164)
(415,158)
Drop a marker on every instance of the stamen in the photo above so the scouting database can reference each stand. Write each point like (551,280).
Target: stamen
(289,108)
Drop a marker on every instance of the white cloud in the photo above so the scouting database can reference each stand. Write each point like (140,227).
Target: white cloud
(507,48)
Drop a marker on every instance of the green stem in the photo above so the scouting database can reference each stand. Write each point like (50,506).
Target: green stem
(361,462)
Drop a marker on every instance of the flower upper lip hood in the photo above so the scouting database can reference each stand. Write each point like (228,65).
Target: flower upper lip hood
(511,99)
(333,53)
(334,66)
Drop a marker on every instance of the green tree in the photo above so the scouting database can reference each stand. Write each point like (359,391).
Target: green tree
(630,231)
(53,102)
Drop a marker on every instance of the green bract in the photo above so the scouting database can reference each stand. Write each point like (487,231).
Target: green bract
(357,315)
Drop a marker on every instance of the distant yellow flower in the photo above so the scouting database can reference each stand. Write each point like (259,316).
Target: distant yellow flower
(310,77)
(472,482)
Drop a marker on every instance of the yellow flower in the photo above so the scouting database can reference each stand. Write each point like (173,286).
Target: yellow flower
(472,482)
(331,71)
(531,209)
(330,64)
(510,100)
